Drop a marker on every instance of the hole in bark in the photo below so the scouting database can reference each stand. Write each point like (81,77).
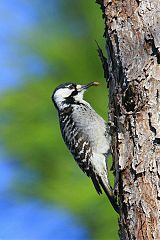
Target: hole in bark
(128,99)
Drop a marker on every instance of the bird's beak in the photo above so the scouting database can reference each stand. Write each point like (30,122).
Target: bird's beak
(84,87)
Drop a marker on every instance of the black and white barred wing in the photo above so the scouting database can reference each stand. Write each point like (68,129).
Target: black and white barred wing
(79,145)
(76,141)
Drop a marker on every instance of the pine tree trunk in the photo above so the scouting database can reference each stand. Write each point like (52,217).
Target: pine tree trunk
(133,71)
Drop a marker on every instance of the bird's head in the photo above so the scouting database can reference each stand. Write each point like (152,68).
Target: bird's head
(70,93)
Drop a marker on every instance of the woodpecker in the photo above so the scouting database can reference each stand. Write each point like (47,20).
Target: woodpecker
(86,135)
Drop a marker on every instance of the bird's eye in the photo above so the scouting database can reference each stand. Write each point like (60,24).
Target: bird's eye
(71,87)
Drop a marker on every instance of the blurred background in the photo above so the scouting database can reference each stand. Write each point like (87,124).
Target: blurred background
(43,193)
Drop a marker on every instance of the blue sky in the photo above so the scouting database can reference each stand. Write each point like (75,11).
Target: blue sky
(31,219)
(18,19)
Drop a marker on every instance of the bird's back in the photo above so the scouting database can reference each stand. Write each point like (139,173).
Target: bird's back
(92,126)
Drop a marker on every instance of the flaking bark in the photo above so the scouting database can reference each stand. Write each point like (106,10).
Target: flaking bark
(133,46)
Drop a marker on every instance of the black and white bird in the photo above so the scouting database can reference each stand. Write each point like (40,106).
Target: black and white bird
(85,133)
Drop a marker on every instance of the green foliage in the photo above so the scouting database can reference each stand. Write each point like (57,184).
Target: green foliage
(30,129)
(29,123)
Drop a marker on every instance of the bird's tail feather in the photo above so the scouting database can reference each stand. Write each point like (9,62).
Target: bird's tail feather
(96,183)
(109,192)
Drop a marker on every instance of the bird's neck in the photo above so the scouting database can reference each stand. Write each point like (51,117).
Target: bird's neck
(71,103)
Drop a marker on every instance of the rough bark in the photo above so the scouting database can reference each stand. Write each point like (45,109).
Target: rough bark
(133,45)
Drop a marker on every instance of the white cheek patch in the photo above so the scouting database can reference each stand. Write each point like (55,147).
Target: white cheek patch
(61,94)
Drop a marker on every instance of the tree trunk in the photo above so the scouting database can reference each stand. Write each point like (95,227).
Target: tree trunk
(133,46)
